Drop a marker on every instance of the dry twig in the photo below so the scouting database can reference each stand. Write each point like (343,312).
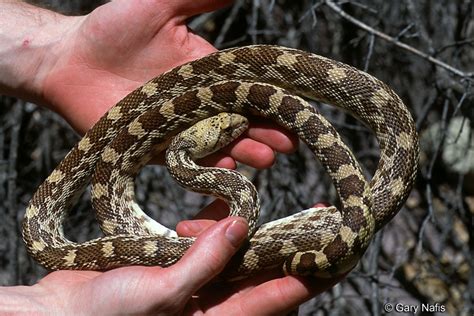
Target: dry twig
(396,42)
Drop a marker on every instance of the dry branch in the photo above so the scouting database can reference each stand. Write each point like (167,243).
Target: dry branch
(396,42)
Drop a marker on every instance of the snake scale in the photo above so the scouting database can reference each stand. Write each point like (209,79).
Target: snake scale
(267,81)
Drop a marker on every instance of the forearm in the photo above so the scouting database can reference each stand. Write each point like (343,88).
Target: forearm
(29,38)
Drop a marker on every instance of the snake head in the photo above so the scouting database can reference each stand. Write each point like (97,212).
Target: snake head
(212,134)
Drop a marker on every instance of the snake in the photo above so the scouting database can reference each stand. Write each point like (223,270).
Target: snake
(266,81)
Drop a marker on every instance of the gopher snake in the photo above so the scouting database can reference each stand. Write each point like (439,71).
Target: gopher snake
(257,80)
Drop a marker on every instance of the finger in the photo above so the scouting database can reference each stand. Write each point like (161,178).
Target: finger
(274,136)
(252,153)
(321,204)
(216,210)
(208,255)
(193,228)
(282,295)
(219,160)
(258,149)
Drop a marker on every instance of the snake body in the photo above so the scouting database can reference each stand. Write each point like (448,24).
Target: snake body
(257,80)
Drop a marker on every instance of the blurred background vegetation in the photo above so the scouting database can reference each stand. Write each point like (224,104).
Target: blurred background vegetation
(423,49)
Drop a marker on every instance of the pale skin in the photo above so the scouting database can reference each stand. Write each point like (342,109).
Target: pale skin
(81,66)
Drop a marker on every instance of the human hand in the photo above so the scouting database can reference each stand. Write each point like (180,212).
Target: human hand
(183,288)
(83,76)
(107,54)
(269,293)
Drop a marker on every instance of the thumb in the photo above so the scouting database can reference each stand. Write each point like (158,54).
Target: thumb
(209,254)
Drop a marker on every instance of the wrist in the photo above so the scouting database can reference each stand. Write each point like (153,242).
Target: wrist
(30,42)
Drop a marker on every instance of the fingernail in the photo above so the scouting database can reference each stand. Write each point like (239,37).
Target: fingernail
(236,232)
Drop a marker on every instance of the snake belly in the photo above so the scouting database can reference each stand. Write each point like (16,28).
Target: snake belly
(323,241)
